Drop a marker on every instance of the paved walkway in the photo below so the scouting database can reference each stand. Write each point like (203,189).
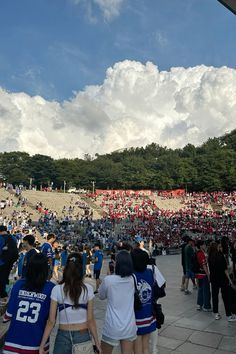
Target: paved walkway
(186,331)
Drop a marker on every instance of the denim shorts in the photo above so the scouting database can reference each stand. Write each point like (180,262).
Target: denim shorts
(63,343)
(190,275)
(116,342)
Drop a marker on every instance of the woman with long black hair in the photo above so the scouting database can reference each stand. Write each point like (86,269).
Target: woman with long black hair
(74,298)
(118,289)
(145,320)
(220,279)
(28,309)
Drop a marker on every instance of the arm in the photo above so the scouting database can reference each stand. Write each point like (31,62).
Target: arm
(102,291)
(224,264)
(49,326)
(227,275)
(92,325)
(205,268)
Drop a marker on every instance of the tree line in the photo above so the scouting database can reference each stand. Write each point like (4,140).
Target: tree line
(209,167)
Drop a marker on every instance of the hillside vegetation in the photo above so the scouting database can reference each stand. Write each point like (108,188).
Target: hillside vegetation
(209,167)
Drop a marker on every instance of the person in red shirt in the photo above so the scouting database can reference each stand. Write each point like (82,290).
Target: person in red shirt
(204,294)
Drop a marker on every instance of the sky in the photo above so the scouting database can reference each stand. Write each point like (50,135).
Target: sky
(94,76)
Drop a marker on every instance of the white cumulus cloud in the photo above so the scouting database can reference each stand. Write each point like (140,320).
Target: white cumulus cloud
(136,105)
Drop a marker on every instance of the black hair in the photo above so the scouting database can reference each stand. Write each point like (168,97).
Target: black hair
(152,261)
(126,246)
(199,244)
(50,236)
(140,260)
(124,264)
(30,239)
(73,278)
(213,253)
(36,272)
(3,228)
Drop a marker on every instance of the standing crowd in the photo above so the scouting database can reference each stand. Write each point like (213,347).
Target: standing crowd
(208,266)
(54,283)
(39,299)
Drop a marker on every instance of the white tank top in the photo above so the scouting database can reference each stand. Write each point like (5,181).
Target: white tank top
(74,316)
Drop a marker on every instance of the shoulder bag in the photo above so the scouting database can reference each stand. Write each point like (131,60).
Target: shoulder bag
(78,348)
(158,291)
(157,308)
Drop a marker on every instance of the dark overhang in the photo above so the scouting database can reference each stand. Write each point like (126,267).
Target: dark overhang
(230,4)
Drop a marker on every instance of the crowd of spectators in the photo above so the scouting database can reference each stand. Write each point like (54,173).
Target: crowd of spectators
(208,215)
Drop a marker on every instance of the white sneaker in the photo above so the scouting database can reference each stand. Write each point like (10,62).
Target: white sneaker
(199,307)
(231,318)
(217,316)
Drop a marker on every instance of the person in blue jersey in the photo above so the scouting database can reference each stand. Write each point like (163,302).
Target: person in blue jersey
(29,243)
(98,259)
(64,256)
(145,321)
(72,300)
(20,262)
(28,309)
(56,260)
(47,250)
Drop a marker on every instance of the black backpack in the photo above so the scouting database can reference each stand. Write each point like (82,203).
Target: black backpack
(10,251)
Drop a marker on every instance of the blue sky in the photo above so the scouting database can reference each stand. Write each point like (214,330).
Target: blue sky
(55,47)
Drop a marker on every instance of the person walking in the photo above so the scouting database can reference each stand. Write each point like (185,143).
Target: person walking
(119,325)
(145,321)
(233,257)
(74,299)
(28,309)
(28,243)
(220,280)
(47,250)
(203,276)
(189,256)
(98,260)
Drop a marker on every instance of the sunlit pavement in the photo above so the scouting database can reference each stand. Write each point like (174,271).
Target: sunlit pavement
(186,330)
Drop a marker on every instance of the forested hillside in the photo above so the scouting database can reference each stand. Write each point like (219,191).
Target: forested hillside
(212,166)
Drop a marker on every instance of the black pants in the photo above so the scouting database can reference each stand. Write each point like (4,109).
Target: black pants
(226,296)
(234,270)
(5,271)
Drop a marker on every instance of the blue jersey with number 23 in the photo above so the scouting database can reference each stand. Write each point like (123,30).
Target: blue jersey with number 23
(28,312)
